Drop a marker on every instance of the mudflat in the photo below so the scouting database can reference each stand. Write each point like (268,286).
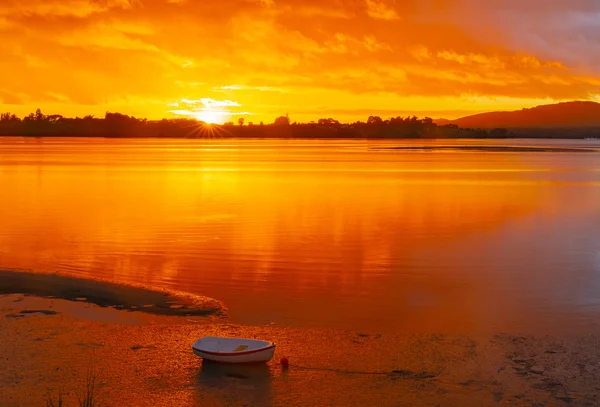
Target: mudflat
(52,345)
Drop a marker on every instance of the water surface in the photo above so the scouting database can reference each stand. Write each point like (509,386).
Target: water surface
(319,233)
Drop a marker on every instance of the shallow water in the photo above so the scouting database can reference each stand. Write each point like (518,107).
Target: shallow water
(319,233)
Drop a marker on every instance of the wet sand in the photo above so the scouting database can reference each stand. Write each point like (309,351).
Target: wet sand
(108,294)
(50,345)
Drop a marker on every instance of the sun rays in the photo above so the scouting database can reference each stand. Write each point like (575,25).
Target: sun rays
(202,129)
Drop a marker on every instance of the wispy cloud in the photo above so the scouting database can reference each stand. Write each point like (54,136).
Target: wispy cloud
(380,10)
(62,8)
(249,88)
(208,102)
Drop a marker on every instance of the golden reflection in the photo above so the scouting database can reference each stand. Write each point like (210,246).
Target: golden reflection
(328,246)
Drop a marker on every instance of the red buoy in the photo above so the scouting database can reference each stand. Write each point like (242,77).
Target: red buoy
(285,362)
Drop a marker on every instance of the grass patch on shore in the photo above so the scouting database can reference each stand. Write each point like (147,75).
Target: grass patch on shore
(90,396)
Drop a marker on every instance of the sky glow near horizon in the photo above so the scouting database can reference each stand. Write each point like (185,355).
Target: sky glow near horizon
(259,59)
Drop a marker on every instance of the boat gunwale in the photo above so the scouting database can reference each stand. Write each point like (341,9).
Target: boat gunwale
(249,352)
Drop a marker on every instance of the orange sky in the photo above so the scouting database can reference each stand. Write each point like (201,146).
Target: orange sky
(346,59)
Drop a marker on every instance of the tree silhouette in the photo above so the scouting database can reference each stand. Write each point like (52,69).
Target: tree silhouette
(53,118)
(282,121)
(121,125)
(499,133)
(328,122)
(9,118)
(374,120)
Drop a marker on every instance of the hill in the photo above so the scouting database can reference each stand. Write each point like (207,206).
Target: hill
(566,114)
(442,122)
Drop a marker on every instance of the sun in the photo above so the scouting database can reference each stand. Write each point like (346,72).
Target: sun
(211,116)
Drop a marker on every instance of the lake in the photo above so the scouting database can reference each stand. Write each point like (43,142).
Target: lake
(337,233)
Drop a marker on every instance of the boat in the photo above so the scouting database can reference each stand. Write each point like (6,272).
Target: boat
(233,350)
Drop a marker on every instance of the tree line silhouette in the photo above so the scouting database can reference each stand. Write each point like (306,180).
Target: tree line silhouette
(120,126)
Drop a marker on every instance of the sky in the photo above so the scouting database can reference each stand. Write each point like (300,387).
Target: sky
(219,60)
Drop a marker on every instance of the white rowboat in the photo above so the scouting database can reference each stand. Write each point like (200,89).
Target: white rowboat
(233,350)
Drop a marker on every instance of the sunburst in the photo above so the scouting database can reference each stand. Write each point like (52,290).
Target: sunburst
(201,129)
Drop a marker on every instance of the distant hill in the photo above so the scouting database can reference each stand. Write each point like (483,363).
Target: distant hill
(567,114)
(442,122)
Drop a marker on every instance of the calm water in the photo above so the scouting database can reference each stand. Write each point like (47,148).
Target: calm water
(320,234)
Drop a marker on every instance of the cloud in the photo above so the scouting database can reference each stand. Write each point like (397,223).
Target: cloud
(62,8)
(59,97)
(204,103)
(108,39)
(329,10)
(5,23)
(372,44)
(249,88)
(208,102)
(297,55)
(9,97)
(267,3)
(380,10)
(563,31)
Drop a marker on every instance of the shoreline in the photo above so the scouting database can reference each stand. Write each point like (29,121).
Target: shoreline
(55,343)
(301,138)
(493,149)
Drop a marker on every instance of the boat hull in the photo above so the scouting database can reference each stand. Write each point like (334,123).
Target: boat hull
(233,350)
(255,356)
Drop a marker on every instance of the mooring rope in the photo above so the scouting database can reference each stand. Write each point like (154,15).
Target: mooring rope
(407,374)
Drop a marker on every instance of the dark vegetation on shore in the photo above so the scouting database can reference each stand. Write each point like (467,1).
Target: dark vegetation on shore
(90,397)
(116,125)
